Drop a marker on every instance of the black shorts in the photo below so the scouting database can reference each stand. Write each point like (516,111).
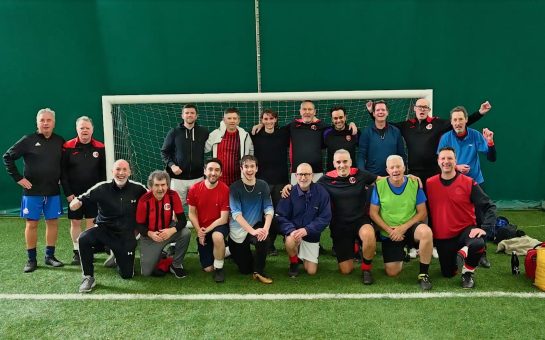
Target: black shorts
(345,238)
(394,251)
(87,210)
(206,252)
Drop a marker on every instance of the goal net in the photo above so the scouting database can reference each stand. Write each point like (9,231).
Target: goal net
(135,126)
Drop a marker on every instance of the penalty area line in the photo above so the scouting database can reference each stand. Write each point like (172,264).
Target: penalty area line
(271,297)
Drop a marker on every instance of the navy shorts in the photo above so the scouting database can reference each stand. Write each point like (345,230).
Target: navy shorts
(206,252)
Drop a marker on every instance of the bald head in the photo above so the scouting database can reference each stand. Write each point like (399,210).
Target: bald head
(121,171)
(422,109)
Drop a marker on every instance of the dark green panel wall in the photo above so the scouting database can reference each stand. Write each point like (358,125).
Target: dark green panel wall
(67,53)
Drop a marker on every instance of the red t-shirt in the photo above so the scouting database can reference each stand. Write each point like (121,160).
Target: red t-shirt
(208,202)
(158,215)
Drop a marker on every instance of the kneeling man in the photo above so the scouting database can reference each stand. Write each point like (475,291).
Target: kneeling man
(398,207)
(454,198)
(302,218)
(161,220)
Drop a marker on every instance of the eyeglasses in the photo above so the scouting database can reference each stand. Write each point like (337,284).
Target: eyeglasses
(303,174)
(422,107)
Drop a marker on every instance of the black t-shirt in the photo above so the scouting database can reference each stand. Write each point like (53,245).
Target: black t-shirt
(271,150)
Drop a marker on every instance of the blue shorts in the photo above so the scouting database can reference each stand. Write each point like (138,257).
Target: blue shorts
(33,206)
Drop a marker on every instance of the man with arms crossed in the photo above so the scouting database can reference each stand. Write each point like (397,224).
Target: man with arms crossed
(115,223)
(302,217)
(453,199)
(41,152)
(161,220)
(398,207)
(208,203)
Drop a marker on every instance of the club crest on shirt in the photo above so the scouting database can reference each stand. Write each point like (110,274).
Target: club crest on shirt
(37,144)
(429,126)
(166,207)
(352,180)
(313,127)
(348,138)
(95,154)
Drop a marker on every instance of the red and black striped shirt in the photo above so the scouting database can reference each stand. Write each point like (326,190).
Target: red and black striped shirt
(156,215)
(229,155)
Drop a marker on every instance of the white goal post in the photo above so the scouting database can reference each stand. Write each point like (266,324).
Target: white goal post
(154,115)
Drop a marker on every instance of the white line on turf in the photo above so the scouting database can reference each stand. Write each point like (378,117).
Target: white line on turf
(325,296)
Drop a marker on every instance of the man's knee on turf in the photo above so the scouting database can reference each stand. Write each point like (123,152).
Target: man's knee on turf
(346,267)
(393,268)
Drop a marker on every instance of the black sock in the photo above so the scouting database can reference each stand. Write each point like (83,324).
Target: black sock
(424,268)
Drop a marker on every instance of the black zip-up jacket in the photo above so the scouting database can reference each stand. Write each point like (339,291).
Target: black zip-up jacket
(42,163)
(116,206)
(185,148)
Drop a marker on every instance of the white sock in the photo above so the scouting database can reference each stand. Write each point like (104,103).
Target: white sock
(76,245)
(218,264)
(465,269)
(464,251)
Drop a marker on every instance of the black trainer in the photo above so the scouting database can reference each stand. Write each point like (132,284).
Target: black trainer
(180,273)
(367,277)
(424,281)
(52,261)
(483,261)
(75,259)
(219,275)
(294,270)
(468,282)
(30,266)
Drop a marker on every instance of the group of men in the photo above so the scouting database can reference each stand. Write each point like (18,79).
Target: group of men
(234,198)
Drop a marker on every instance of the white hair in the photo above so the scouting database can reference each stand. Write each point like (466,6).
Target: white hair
(42,111)
(392,157)
(84,119)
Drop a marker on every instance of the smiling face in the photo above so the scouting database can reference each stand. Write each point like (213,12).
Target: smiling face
(121,172)
(381,112)
(189,115)
(231,121)
(338,118)
(249,169)
(212,172)
(307,111)
(342,163)
(159,188)
(395,168)
(447,162)
(268,121)
(304,176)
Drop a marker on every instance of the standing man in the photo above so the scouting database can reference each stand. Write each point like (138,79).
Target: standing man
(348,188)
(273,165)
(83,165)
(251,216)
(339,136)
(183,152)
(302,217)
(115,222)
(208,203)
(378,141)
(398,207)
(41,152)
(454,198)
(161,220)
(229,143)
(422,134)
(468,143)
